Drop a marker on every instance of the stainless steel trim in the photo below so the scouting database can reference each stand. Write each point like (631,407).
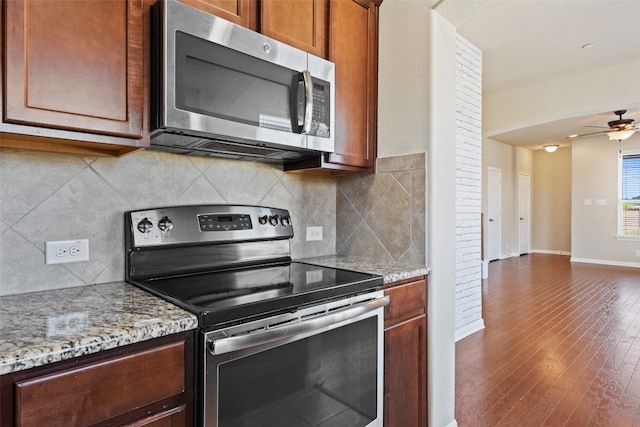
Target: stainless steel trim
(186,229)
(288,330)
(308,104)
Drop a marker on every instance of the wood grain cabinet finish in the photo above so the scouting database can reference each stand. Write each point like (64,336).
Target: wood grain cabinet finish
(241,12)
(353,47)
(148,386)
(299,23)
(405,368)
(77,65)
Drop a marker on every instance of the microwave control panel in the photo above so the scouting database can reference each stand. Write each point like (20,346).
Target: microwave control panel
(321,116)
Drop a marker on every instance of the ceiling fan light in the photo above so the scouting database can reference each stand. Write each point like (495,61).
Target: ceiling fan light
(550,148)
(620,135)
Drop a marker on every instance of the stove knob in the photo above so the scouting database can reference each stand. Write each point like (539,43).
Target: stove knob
(285,221)
(165,224)
(273,220)
(145,226)
(263,219)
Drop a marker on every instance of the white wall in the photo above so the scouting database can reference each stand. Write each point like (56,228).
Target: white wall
(468,189)
(569,96)
(594,227)
(403,76)
(551,202)
(442,224)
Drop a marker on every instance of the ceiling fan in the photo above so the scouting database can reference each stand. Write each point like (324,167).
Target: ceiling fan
(618,130)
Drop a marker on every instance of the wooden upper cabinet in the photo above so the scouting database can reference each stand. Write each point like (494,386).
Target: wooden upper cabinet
(299,23)
(241,12)
(353,47)
(76,65)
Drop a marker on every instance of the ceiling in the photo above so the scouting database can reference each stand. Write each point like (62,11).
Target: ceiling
(527,41)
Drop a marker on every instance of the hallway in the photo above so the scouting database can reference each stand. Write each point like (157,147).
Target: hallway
(561,347)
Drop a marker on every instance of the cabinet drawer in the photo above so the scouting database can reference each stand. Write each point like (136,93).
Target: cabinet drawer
(407,301)
(96,392)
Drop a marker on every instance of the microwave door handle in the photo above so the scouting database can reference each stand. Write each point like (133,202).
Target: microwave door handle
(308,104)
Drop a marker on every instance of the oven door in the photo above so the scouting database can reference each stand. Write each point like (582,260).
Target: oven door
(321,366)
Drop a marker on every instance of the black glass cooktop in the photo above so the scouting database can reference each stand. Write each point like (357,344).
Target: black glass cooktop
(237,295)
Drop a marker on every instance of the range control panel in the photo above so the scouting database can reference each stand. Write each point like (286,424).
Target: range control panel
(207,224)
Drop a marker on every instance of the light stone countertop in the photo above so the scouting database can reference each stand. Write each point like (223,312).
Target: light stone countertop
(45,327)
(390,271)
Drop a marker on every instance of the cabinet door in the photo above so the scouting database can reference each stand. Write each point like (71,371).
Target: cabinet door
(241,12)
(405,374)
(353,47)
(76,65)
(94,393)
(299,23)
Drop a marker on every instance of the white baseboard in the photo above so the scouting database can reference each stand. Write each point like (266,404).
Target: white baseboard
(469,329)
(511,255)
(484,268)
(606,262)
(544,251)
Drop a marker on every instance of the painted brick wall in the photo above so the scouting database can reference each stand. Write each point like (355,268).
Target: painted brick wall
(468,188)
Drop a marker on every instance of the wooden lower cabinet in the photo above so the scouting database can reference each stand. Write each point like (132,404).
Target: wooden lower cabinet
(145,384)
(405,355)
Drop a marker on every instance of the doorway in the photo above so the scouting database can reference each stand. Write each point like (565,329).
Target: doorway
(524,213)
(494,214)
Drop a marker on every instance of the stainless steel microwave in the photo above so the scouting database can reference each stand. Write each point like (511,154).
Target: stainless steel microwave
(219,89)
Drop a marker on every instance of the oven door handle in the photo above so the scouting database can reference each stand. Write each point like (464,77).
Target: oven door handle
(231,344)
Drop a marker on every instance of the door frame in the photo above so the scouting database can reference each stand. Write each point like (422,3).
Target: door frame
(494,252)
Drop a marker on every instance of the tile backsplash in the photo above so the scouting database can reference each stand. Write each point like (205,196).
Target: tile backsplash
(383,216)
(47,196)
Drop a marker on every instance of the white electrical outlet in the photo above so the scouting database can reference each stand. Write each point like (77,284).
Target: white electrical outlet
(314,233)
(637,252)
(63,251)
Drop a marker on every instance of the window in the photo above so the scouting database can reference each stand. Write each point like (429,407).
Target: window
(629,195)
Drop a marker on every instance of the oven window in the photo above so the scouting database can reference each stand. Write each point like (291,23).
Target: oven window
(328,379)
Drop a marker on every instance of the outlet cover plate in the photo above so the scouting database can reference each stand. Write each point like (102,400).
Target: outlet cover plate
(314,233)
(64,251)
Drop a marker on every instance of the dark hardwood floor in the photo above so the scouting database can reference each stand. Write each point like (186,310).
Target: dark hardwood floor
(561,347)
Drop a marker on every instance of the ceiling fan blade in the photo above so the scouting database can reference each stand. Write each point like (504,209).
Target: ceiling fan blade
(601,127)
(589,134)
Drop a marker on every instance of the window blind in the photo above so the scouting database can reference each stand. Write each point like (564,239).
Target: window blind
(631,177)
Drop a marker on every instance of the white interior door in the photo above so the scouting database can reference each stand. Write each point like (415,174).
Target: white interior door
(494,214)
(524,213)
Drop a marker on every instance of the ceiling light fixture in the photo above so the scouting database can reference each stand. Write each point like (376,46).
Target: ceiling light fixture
(550,148)
(620,135)
(573,136)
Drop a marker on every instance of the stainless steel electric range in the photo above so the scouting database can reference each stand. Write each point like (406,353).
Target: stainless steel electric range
(280,342)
